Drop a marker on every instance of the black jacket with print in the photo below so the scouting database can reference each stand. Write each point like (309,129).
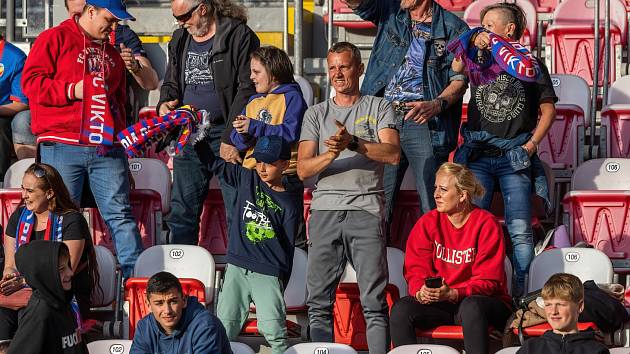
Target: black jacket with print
(48,324)
(552,343)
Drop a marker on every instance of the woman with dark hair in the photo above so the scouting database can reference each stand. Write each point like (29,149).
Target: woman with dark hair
(277,108)
(454,266)
(47,213)
(503,131)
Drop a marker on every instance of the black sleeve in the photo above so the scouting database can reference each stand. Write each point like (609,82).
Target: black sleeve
(31,333)
(75,227)
(131,40)
(545,87)
(170,86)
(246,43)
(13,222)
(230,172)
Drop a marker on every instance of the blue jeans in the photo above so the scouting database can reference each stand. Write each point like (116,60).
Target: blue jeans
(108,177)
(417,152)
(516,187)
(191,179)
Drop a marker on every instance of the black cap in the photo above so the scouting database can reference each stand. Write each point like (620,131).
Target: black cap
(271,148)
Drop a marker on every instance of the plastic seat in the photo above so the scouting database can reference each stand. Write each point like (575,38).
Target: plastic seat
(570,39)
(13,176)
(213,225)
(149,173)
(10,199)
(348,317)
(110,346)
(455,5)
(294,297)
(241,348)
(146,207)
(423,349)
(307,90)
(107,278)
(343,16)
(546,6)
(619,350)
(530,35)
(615,120)
(320,348)
(510,350)
(453,332)
(598,206)
(563,147)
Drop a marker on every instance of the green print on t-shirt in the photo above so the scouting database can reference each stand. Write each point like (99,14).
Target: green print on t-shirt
(257,224)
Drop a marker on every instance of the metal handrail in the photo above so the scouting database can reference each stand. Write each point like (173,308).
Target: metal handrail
(330,41)
(297,40)
(606,53)
(595,82)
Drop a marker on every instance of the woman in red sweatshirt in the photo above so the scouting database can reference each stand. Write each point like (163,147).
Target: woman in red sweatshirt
(463,245)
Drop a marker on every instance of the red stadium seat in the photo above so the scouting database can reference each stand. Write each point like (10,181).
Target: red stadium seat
(598,206)
(615,121)
(10,199)
(570,39)
(407,212)
(454,5)
(136,293)
(530,35)
(343,16)
(546,6)
(213,224)
(308,197)
(146,206)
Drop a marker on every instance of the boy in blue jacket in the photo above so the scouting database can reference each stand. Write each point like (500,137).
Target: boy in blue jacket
(177,324)
(261,240)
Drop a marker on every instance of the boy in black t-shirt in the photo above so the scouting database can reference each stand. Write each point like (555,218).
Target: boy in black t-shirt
(261,240)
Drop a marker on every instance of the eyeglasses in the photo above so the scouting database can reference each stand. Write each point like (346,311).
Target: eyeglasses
(185,17)
(39,172)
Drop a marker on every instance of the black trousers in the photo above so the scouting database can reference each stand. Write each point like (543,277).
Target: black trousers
(9,322)
(6,144)
(475,313)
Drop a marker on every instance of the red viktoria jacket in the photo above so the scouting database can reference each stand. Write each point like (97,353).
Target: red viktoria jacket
(470,259)
(53,67)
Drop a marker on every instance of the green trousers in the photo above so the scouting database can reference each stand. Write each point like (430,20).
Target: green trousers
(242,287)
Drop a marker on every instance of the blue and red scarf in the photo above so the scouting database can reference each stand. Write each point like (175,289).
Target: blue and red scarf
(54,232)
(483,67)
(137,138)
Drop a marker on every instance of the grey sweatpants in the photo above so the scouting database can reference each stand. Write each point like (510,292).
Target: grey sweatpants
(355,236)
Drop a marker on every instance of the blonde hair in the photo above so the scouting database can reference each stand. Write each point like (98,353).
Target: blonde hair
(465,180)
(563,286)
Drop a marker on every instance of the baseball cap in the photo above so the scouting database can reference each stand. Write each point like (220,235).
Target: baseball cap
(115,7)
(271,148)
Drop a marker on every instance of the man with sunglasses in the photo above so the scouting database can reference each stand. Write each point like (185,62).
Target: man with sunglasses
(75,82)
(208,68)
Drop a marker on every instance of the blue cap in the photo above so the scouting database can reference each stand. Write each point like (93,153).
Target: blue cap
(115,7)
(271,148)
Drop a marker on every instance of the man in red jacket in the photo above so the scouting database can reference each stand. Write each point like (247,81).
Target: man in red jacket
(75,82)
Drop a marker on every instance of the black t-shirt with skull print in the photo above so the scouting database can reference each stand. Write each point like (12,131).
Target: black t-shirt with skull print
(508,106)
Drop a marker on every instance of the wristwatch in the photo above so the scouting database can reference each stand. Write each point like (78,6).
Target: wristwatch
(443,104)
(353,145)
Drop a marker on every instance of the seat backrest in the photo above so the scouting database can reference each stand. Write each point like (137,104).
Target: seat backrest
(307,89)
(106,264)
(423,349)
(581,12)
(585,263)
(602,174)
(320,348)
(110,346)
(395,263)
(295,293)
(619,350)
(152,174)
(13,176)
(510,350)
(572,89)
(619,92)
(241,348)
(472,15)
(183,261)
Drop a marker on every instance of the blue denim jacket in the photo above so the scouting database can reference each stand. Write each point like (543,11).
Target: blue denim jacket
(392,42)
(519,159)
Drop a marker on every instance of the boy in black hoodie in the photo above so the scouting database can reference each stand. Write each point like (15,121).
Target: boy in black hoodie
(564,300)
(49,324)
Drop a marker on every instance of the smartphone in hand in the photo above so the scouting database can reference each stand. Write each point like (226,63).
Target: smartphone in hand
(433,282)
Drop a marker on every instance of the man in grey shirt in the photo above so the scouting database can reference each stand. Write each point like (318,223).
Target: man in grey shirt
(346,141)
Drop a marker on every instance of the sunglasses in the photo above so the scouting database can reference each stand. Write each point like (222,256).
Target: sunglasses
(185,17)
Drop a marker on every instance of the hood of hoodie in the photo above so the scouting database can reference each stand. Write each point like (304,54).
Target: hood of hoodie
(192,310)
(280,90)
(38,261)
